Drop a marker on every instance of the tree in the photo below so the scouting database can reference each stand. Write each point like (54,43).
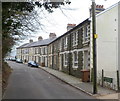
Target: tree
(16,20)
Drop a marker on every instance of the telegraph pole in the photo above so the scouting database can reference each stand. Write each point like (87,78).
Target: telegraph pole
(94,47)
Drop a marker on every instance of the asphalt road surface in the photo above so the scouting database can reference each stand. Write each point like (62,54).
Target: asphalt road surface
(34,83)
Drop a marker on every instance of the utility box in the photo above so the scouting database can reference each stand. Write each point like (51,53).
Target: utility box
(85,75)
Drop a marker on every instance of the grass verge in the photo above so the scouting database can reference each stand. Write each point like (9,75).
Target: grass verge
(6,71)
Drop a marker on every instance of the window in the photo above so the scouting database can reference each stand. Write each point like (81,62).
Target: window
(75,38)
(65,42)
(39,59)
(51,48)
(35,50)
(65,59)
(86,33)
(60,45)
(45,50)
(39,50)
(75,60)
(42,51)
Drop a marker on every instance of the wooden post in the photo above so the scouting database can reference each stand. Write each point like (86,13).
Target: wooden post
(102,77)
(94,47)
(118,82)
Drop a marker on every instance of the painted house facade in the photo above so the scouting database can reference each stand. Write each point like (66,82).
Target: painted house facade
(108,44)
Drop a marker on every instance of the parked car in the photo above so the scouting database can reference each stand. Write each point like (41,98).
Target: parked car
(7,59)
(12,59)
(19,61)
(32,64)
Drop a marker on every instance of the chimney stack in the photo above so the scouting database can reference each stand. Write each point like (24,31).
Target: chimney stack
(99,8)
(70,26)
(40,38)
(52,35)
(30,41)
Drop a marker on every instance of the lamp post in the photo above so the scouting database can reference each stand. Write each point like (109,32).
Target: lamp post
(94,47)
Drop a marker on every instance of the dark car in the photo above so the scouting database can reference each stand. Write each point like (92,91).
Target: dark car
(12,59)
(32,64)
(19,61)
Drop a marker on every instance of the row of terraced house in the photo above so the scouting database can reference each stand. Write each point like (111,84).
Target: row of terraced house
(72,52)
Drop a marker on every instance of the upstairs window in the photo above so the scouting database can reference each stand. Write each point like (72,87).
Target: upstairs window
(35,50)
(60,45)
(45,50)
(86,33)
(51,48)
(75,38)
(39,50)
(42,51)
(65,42)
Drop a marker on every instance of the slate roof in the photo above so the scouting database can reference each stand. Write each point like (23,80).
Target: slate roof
(49,41)
(37,43)
(22,45)
(42,42)
(87,20)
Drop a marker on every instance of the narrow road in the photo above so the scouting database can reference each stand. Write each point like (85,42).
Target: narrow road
(34,83)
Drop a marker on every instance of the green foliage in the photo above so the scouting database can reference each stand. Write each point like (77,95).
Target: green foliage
(13,16)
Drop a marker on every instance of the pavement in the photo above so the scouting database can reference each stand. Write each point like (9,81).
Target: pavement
(103,93)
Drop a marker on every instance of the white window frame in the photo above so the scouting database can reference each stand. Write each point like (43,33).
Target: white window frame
(46,50)
(74,66)
(86,31)
(42,50)
(75,38)
(65,42)
(65,59)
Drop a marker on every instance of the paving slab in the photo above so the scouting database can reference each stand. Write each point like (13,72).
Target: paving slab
(85,87)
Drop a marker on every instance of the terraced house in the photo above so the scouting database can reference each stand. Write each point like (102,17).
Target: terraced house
(72,52)
(35,51)
(69,53)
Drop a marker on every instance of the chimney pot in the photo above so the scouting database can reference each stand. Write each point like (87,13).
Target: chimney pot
(40,38)
(52,35)
(30,41)
(70,26)
(96,6)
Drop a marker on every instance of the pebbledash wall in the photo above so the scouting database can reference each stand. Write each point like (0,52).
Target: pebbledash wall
(72,52)
(108,30)
(119,37)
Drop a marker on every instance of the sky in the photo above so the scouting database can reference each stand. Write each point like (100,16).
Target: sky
(57,21)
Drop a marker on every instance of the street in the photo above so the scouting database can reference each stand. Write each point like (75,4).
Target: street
(34,83)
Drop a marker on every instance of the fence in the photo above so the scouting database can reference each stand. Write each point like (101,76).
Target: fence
(110,79)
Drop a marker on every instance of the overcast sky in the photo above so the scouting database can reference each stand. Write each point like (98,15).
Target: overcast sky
(74,13)
(57,21)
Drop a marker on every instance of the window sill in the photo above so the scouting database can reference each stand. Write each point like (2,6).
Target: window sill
(75,67)
(65,66)
(86,42)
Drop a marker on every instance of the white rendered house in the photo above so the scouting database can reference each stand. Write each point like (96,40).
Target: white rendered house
(108,45)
